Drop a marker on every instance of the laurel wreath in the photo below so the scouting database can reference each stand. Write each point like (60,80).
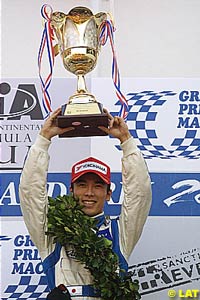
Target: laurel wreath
(68,225)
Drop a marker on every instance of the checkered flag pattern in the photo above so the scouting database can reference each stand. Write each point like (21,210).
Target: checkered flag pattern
(27,288)
(144,107)
(189,146)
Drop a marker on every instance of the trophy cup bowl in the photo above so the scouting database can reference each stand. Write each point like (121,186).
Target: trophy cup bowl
(77,35)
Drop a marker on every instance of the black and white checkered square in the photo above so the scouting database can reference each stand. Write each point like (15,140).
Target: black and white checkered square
(27,288)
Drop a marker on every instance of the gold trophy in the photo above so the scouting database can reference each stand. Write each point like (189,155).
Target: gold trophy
(77,35)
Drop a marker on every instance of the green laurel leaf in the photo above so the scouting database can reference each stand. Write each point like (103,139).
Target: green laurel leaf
(68,225)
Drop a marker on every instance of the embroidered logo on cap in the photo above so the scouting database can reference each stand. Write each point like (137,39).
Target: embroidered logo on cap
(90,166)
(93,165)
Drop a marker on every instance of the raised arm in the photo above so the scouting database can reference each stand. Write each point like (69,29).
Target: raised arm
(137,196)
(33,192)
(136,186)
(33,181)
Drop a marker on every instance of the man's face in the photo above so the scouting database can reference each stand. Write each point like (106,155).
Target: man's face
(92,193)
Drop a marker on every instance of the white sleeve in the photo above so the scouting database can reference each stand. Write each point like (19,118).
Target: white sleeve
(33,191)
(137,196)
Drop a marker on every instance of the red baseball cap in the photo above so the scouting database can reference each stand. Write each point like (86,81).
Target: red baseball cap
(91,165)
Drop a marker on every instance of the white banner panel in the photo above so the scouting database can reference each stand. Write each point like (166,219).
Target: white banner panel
(164,119)
(167,257)
(21,268)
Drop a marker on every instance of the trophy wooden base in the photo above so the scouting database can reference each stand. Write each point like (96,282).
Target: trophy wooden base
(85,125)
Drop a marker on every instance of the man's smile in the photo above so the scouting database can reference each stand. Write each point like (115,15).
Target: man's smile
(88,203)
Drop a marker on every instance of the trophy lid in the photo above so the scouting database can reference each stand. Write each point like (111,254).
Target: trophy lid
(80,14)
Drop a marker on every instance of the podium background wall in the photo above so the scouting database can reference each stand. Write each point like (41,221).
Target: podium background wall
(158,46)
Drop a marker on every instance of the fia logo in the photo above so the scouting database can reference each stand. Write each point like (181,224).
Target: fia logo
(16,102)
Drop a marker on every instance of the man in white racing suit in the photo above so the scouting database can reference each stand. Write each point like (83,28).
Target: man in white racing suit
(91,184)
